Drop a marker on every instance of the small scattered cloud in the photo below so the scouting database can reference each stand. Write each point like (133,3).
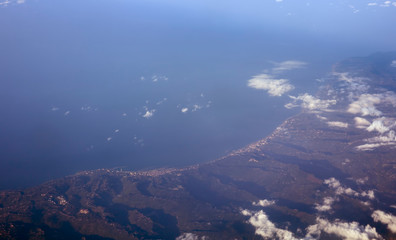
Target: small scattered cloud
(67,113)
(288,65)
(310,102)
(274,86)
(346,230)
(190,236)
(162,101)
(264,203)
(117,130)
(341,190)
(149,113)
(54,109)
(385,218)
(265,228)
(109,139)
(337,124)
(326,205)
(393,63)
(196,107)
(156,78)
(184,110)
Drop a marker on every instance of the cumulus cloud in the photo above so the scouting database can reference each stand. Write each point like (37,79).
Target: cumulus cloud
(385,218)
(190,236)
(149,113)
(365,105)
(266,228)
(184,110)
(310,102)
(274,87)
(378,125)
(337,124)
(345,230)
(288,65)
(393,64)
(375,142)
(326,205)
(361,122)
(341,190)
(264,203)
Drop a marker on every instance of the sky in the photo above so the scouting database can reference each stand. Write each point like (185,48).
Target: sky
(143,84)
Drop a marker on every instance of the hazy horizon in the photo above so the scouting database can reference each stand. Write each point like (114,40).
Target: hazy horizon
(144,84)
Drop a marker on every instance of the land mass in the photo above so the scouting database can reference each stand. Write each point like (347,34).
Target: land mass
(327,173)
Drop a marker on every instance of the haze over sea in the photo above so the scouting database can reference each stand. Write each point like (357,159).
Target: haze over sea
(143,84)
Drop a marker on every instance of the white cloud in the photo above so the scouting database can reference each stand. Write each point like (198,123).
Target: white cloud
(149,113)
(266,228)
(375,142)
(196,107)
(184,110)
(109,139)
(162,101)
(361,122)
(365,105)
(393,64)
(341,190)
(310,102)
(264,203)
(190,236)
(350,231)
(67,113)
(378,125)
(54,109)
(385,218)
(326,205)
(156,78)
(372,4)
(338,124)
(288,65)
(275,87)
(117,130)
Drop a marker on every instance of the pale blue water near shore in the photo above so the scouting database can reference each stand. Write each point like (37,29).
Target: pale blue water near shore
(143,84)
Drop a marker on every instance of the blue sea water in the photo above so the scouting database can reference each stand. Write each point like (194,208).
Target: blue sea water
(144,84)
